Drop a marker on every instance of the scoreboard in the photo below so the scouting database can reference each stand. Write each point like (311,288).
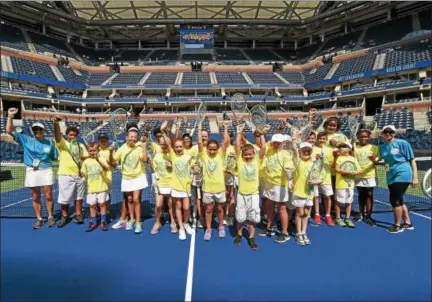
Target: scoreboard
(196,37)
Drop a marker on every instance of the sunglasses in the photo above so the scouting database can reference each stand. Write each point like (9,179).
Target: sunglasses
(37,129)
(388,132)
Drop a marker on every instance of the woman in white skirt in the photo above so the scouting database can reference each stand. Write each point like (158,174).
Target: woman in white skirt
(132,156)
(39,154)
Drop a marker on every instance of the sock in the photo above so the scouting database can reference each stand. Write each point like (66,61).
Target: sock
(103,218)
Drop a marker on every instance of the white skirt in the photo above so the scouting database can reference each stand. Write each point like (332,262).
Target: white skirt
(38,178)
(131,185)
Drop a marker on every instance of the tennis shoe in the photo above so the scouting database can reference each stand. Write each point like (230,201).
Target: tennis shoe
(78,219)
(51,222)
(188,229)
(63,222)
(130,225)
(394,229)
(252,244)
(306,239)
(174,228)
(237,240)
(155,229)
(38,224)
(119,224)
(207,235)
(91,227)
(282,238)
(222,233)
(182,234)
(329,221)
(104,226)
(317,219)
(407,226)
(138,228)
(340,222)
(359,218)
(369,221)
(349,223)
(299,239)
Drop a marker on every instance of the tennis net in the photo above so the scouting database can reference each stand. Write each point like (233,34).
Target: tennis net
(16,201)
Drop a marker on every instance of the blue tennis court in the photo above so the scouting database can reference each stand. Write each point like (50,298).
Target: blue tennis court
(341,264)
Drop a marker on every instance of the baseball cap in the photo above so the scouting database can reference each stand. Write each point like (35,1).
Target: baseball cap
(40,125)
(279,138)
(391,127)
(305,145)
(103,135)
(287,137)
(346,144)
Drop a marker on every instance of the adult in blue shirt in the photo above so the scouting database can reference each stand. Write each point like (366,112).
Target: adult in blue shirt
(39,154)
(401,170)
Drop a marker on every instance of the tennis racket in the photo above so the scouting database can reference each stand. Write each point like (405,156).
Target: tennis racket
(230,164)
(353,126)
(117,123)
(287,158)
(301,128)
(202,109)
(349,166)
(76,153)
(86,133)
(258,117)
(151,152)
(317,174)
(426,184)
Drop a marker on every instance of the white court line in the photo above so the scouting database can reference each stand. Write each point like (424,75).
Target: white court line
(414,213)
(189,279)
(21,201)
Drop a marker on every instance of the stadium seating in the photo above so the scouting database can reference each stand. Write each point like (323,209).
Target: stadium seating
(264,78)
(13,37)
(382,33)
(164,55)
(71,77)
(320,73)
(230,78)
(230,56)
(403,119)
(167,78)
(133,56)
(197,57)
(127,78)
(98,78)
(48,44)
(32,68)
(293,77)
(196,78)
(259,55)
(340,43)
(409,54)
(356,65)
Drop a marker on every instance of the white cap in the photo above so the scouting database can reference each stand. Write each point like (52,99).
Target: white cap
(40,125)
(305,145)
(346,144)
(279,138)
(133,129)
(389,127)
(287,137)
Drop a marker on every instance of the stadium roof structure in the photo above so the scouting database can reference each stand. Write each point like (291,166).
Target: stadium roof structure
(160,20)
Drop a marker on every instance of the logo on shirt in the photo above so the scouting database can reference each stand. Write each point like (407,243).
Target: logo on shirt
(47,149)
(249,172)
(395,151)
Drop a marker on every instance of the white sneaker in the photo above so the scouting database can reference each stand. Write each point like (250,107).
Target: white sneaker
(130,225)
(119,224)
(182,234)
(188,229)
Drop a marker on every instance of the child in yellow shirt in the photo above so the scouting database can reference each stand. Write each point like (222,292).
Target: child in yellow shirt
(248,208)
(94,169)
(345,183)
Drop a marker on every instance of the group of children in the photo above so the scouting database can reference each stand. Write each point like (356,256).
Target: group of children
(241,181)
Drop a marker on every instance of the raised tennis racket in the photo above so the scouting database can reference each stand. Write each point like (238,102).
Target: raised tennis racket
(75,152)
(349,166)
(201,112)
(117,122)
(86,133)
(238,106)
(258,117)
(301,128)
(288,158)
(353,126)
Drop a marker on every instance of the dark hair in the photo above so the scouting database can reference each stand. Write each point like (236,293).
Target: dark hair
(157,131)
(72,128)
(364,130)
(186,135)
(312,133)
(331,119)
(322,133)
(131,125)
(213,141)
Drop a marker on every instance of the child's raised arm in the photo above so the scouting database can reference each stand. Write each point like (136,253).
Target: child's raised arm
(239,139)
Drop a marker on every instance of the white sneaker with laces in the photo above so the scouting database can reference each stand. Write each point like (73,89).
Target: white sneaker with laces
(188,229)
(119,224)
(130,225)
(182,234)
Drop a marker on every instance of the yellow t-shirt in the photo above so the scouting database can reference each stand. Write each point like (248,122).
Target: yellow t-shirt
(301,187)
(274,173)
(156,147)
(345,182)
(338,136)
(164,173)
(315,150)
(67,164)
(213,178)
(328,159)
(181,172)
(131,165)
(97,181)
(193,151)
(105,154)
(362,154)
(248,176)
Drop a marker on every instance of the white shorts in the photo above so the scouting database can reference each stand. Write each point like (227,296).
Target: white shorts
(229,180)
(345,195)
(39,178)
(366,182)
(71,188)
(300,202)
(131,185)
(275,193)
(208,198)
(261,185)
(325,190)
(164,191)
(247,208)
(97,198)
(179,194)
